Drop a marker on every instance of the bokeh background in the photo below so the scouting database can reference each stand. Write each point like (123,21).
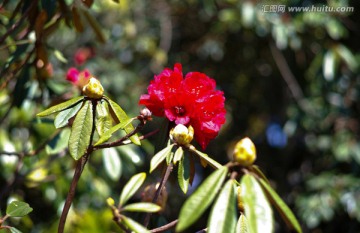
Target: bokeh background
(291,82)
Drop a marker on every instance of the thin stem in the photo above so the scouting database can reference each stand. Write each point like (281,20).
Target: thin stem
(163,181)
(78,170)
(165,227)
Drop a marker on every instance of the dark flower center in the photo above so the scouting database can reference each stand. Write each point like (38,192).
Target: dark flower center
(180,111)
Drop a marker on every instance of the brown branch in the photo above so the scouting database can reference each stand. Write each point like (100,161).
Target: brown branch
(165,227)
(78,170)
(163,181)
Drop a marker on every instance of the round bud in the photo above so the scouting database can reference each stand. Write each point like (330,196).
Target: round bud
(182,135)
(145,112)
(245,152)
(149,193)
(93,89)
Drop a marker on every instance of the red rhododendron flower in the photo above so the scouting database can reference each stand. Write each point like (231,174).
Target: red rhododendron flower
(82,55)
(192,100)
(78,78)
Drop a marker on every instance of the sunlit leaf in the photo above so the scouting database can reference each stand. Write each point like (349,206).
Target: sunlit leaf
(60,56)
(133,225)
(119,116)
(59,142)
(18,209)
(280,205)
(241,226)
(207,159)
(107,135)
(223,214)
(257,208)
(103,120)
(60,107)
(142,207)
(159,157)
(200,200)
(179,153)
(131,187)
(80,132)
(184,173)
(112,163)
(14,230)
(329,65)
(62,119)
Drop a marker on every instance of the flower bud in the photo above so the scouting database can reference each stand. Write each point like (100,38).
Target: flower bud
(93,89)
(182,135)
(110,201)
(146,113)
(245,152)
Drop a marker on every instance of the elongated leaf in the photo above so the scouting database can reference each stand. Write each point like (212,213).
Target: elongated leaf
(14,230)
(241,226)
(179,154)
(60,107)
(62,119)
(142,207)
(223,214)
(18,209)
(121,116)
(159,157)
(107,135)
(257,171)
(280,205)
(200,200)
(257,208)
(131,187)
(103,119)
(95,26)
(133,225)
(209,160)
(184,173)
(58,143)
(112,163)
(80,132)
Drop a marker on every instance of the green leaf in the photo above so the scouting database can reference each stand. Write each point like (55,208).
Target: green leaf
(280,205)
(14,230)
(64,116)
(61,107)
(258,172)
(257,208)
(133,225)
(103,120)
(223,215)
(241,226)
(18,209)
(121,116)
(80,132)
(59,142)
(200,200)
(60,56)
(209,160)
(184,172)
(107,135)
(179,154)
(131,187)
(95,26)
(112,163)
(159,157)
(142,207)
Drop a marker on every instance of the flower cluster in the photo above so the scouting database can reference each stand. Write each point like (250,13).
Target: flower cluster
(192,100)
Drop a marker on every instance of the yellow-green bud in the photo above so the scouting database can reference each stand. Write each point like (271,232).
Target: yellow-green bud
(93,89)
(182,135)
(245,152)
(110,201)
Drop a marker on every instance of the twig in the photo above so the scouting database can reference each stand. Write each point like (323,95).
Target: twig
(78,170)
(165,227)
(286,73)
(163,181)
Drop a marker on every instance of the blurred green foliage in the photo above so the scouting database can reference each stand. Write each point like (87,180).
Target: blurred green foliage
(291,82)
